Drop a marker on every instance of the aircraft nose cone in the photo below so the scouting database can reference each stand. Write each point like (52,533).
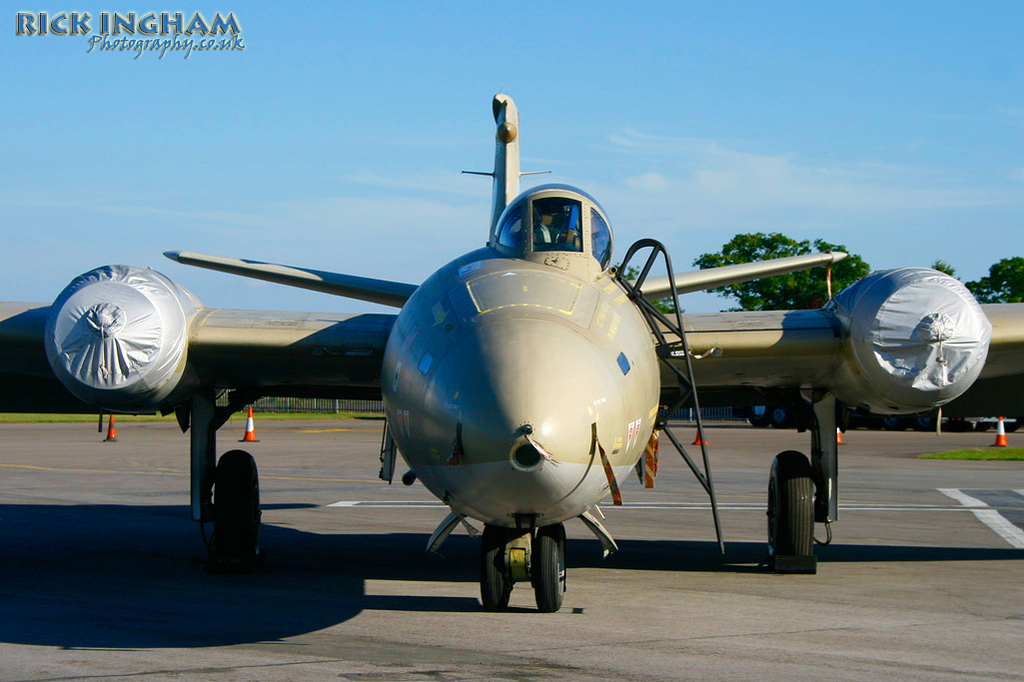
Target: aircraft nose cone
(533,378)
(528,392)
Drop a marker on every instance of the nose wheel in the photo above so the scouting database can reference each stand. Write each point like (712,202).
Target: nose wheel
(549,568)
(495,577)
(508,555)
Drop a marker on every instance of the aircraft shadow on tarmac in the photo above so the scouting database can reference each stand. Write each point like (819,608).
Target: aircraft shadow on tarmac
(113,576)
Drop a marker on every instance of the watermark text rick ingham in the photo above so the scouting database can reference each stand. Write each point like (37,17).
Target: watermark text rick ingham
(138,33)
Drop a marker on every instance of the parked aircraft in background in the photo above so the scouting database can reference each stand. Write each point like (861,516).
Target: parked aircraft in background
(763,416)
(522,381)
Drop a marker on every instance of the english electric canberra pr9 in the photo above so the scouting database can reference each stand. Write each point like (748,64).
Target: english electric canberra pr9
(523,381)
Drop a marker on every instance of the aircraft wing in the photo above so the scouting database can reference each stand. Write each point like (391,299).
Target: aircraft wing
(740,357)
(999,388)
(290,354)
(264,352)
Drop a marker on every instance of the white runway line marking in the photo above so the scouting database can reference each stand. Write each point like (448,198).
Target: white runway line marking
(404,504)
(753,506)
(990,517)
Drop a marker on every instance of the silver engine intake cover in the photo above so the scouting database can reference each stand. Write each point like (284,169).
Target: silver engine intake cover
(117,337)
(916,339)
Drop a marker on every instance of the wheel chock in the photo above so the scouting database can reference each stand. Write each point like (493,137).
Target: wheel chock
(796,564)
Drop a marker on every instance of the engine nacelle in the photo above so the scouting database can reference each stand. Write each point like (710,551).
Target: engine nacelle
(117,337)
(915,338)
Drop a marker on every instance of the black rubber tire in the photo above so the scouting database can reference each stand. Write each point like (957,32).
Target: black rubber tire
(892,423)
(781,419)
(790,506)
(1014,425)
(926,423)
(495,582)
(760,421)
(236,512)
(548,567)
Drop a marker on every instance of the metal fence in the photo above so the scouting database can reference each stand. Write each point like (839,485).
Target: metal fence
(332,406)
(710,414)
(318,406)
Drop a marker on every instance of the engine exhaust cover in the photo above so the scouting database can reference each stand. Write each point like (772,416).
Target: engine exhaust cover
(916,338)
(117,337)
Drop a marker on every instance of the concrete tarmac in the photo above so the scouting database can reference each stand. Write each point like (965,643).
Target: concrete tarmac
(102,572)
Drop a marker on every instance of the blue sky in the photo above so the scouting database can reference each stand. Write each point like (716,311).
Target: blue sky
(335,139)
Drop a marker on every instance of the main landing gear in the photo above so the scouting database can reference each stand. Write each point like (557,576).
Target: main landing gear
(790,513)
(802,492)
(226,492)
(508,555)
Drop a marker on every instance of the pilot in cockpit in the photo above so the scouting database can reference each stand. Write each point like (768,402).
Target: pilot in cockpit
(556,226)
(544,230)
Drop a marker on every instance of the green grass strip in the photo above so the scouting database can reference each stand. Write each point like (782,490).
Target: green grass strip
(986,454)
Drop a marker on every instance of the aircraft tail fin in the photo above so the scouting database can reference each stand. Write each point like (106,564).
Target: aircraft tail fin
(506,155)
(381,291)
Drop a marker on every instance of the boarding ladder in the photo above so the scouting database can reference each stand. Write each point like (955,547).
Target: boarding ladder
(667,351)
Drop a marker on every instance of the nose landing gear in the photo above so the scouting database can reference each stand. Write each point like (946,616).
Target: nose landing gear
(549,568)
(495,578)
(508,555)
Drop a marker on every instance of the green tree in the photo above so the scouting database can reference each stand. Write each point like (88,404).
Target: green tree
(665,305)
(793,291)
(943,266)
(1004,284)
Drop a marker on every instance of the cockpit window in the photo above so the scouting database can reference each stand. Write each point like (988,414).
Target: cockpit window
(511,234)
(602,239)
(557,225)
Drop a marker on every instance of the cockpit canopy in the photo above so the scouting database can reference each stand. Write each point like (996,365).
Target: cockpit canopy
(557,225)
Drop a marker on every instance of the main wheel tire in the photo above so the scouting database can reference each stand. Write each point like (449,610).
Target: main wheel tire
(548,567)
(893,423)
(1012,426)
(236,512)
(926,423)
(495,581)
(759,416)
(781,418)
(790,506)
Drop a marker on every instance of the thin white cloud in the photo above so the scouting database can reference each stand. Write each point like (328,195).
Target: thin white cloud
(1015,114)
(704,172)
(648,182)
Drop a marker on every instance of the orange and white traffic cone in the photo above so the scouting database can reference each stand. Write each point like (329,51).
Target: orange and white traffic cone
(250,429)
(839,436)
(1000,435)
(111,432)
(699,440)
